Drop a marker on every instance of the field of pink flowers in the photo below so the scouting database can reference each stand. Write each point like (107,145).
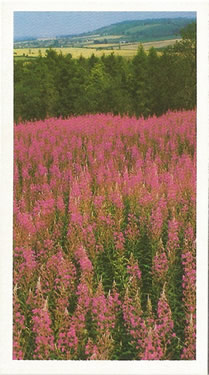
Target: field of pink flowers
(104,238)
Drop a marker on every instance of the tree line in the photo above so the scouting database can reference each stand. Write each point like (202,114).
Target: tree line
(150,83)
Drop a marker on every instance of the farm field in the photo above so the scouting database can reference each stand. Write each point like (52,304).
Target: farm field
(75,52)
(102,45)
(126,50)
(101,37)
(104,238)
(96,37)
(148,45)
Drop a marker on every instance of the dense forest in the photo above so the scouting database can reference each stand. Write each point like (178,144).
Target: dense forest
(150,83)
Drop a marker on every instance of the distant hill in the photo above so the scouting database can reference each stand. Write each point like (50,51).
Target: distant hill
(127,31)
(145,30)
(24,38)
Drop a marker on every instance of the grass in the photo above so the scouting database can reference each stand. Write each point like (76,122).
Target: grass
(138,28)
(21,57)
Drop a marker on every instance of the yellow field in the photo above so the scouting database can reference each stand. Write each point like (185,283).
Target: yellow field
(101,45)
(126,50)
(105,37)
(160,43)
(148,45)
(75,52)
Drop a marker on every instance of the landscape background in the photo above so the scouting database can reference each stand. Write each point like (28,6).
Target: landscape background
(140,67)
(122,31)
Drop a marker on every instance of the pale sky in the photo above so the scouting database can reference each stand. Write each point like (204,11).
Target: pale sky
(50,24)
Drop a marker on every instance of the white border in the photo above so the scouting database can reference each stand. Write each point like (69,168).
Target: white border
(7,366)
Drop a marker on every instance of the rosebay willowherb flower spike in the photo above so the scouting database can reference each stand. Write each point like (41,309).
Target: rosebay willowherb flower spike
(99,198)
(189,299)
(160,264)
(44,338)
(165,324)
(18,328)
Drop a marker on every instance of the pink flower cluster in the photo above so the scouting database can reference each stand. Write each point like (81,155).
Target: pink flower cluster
(189,293)
(42,328)
(19,326)
(104,211)
(160,264)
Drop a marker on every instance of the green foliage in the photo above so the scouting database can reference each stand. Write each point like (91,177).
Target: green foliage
(139,83)
(188,33)
(96,89)
(184,53)
(123,349)
(144,257)
(60,86)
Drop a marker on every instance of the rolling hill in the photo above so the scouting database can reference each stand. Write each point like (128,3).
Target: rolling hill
(144,30)
(125,32)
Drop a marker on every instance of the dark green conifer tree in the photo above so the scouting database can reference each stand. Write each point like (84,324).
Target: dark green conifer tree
(138,84)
